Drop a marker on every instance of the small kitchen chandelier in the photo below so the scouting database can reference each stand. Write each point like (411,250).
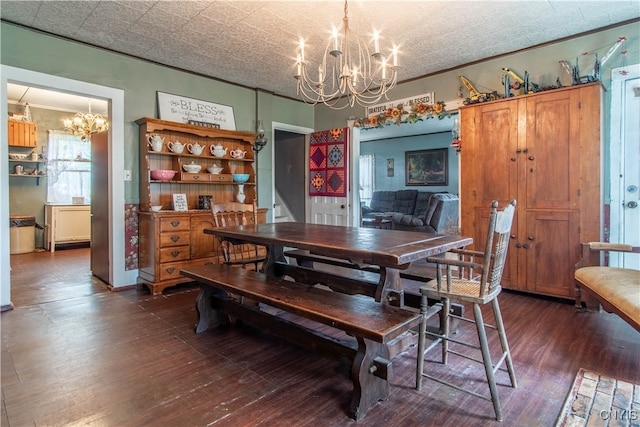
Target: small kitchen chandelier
(85,125)
(349,73)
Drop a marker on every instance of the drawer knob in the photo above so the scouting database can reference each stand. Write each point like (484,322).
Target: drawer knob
(220,178)
(175,223)
(196,177)
(170,270)
(175,238)
(175,253)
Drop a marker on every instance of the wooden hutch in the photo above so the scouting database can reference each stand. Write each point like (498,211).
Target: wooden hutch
(542,149)
(172,240)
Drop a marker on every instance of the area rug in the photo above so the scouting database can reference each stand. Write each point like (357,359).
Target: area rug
(599,400)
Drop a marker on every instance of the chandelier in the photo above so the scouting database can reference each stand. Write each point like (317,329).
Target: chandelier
(348,73)
(85,125)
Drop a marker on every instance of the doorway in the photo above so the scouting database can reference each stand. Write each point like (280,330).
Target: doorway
(625,158)
(292,135)
(289,175)
(115,195)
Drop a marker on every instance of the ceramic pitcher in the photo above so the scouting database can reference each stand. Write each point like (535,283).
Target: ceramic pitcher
(218,150)
(155,142)
(238,154)
(176,147)
(195,149)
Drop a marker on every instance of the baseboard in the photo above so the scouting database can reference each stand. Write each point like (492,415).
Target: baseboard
(7,307)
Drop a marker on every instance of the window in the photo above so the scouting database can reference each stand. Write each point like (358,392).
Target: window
(68,168)
(367,174)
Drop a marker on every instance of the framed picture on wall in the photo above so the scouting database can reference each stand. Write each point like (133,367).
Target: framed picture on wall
(427,167)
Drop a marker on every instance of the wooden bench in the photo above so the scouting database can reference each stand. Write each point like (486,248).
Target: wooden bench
(372,324)
(617,290)
(418,272)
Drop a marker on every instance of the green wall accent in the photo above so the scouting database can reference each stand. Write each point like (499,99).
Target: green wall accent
(140,80)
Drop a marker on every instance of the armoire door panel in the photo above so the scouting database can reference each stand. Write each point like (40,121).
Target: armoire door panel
(553,250)
(495,153)
(552,160)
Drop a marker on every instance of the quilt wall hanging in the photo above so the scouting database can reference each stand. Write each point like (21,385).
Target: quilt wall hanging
(328,162)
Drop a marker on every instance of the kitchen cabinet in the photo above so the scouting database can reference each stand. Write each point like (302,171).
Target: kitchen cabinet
(543,150)
(172,240)
(66,224)
(21,133)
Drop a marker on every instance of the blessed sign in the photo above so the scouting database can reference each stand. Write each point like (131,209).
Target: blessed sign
(427,98)
(184,110)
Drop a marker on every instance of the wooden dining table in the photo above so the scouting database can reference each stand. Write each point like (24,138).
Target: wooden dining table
(371,312)
(390,250)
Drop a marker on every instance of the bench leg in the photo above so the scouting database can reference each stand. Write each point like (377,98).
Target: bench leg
(370,374)
(208,313)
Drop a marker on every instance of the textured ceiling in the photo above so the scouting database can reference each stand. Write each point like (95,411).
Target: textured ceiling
(252,43)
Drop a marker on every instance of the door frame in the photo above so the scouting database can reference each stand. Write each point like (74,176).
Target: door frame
(118,276)
(616,153)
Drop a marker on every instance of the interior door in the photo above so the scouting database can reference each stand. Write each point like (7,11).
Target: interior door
(100,241)
(329,168)
(625,163)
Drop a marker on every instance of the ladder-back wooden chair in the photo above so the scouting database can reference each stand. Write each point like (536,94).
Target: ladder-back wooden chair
(474,277)
(238,253)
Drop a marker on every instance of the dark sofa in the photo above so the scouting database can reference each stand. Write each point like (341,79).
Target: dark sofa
(416,210)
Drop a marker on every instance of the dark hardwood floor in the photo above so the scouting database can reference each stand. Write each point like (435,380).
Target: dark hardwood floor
(74,353)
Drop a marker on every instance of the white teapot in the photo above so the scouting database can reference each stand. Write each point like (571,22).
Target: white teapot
(177,147)
(195,149)
(155,142)
(218,150)
(237,153)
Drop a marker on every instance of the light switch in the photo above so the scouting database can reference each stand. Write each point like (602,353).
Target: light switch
(127,175)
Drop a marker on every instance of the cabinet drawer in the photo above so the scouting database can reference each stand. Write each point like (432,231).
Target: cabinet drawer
(171,270)
(178,238)
(222,177)
(195,177)
(176,253)
(176,223)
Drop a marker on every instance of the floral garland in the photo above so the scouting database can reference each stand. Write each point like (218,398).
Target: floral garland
(397,115)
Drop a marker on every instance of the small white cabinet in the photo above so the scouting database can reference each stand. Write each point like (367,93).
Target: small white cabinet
(67,224)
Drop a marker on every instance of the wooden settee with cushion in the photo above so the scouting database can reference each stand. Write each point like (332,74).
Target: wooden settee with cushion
(616,289)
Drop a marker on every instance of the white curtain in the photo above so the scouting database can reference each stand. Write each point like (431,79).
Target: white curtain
(68,168)
(367,174)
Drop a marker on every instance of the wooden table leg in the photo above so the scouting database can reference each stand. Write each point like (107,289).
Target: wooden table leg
(390,287)
(208,313)
(370,374)
(274,254)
